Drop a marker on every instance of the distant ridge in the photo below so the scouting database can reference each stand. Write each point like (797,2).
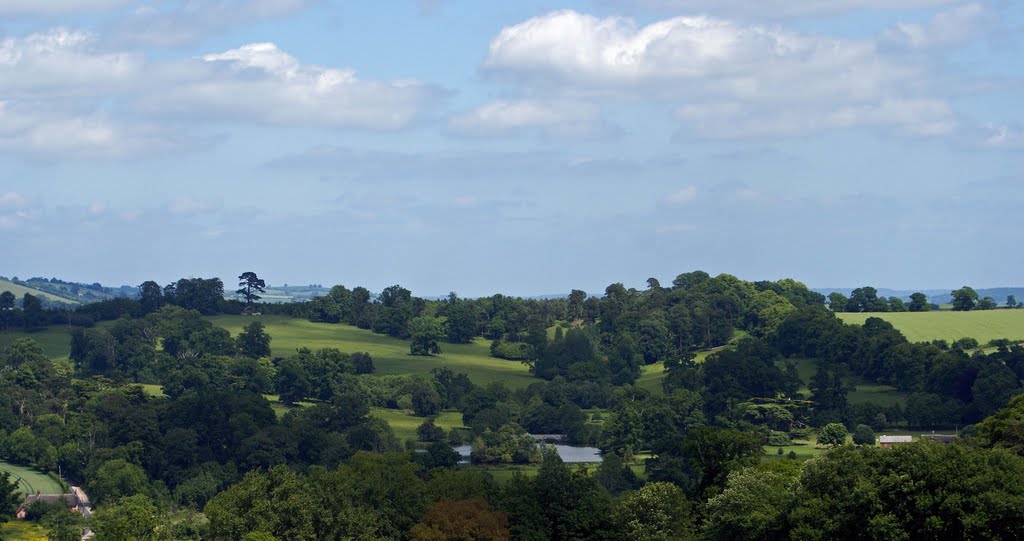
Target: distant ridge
(935,296)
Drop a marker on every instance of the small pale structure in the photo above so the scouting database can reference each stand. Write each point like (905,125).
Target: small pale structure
(886,442)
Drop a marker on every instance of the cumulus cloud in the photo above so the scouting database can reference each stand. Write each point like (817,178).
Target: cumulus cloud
(187,21)
(501,117)
(56,7)
(64,63)
(261,83)
(62,94)
(948,28)
(756,79)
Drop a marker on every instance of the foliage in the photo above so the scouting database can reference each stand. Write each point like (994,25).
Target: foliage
(464,520)
(832,434)
(426,333)
(657,511)
(863,435)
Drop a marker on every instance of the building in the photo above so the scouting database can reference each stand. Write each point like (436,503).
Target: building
(69,500)
(888,441)
(941,438)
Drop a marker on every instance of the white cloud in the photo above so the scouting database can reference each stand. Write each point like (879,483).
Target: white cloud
(724,76)
(948,28)
(12,200)
(188,21)
(63,63)
(1001,136)
(56,7)
(775,9)
(261,83)
(530,116)
(683,196)
(464,201)
(63,95)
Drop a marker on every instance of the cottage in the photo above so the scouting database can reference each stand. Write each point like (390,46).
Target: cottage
(68,500)
(888,441)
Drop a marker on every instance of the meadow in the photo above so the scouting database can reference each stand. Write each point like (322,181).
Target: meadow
(21,530)
(982,325)
(55,341)
(31,481)
(390,355)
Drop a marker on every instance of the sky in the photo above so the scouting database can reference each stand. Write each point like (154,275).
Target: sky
(524,147)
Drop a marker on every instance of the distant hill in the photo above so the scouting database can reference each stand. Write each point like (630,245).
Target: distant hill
(936,296)
(55,291)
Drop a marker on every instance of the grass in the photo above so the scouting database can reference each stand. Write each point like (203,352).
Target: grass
(55,341)
(982,325)
(863,391)
(31,481)
(390,355)
(19,291)
(21,530)
(404,423)
(652,375)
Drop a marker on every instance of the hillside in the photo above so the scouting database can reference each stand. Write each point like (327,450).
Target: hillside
(390,355)
(20,290)
(983,325)
(935,296)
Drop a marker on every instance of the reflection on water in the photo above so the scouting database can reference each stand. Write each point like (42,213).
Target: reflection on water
(569,454)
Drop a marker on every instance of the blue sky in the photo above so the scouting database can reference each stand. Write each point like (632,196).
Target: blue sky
(520,147)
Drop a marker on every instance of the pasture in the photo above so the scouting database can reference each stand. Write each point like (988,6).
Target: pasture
(982,325)
(404,423)
(55,341)
(390,355)
(31,481)
(21,530)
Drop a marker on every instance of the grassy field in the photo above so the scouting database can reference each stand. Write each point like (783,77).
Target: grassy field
(55,341)
(983,325)
(32,482)
(390,355)
(404,423)
(19,291)
(20,530)
(863,391)
(652,375)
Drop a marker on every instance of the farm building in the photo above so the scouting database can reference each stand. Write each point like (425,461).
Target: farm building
(941,438)
(888,441)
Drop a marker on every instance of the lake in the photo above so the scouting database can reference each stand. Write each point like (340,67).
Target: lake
(569,454)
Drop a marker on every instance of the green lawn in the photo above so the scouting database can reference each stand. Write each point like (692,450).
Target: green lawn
(404,423)
(31,481)
(983,325)
(390,355)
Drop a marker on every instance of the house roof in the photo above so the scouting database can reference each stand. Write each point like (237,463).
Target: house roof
(895,439)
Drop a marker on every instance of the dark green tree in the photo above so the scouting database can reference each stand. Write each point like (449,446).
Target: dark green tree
(919,303)
(986,303)
(32,312)
(1011,301)
(251,286)
(832,434)
(863,435)
(837,301)
(426,333)
(964,299)
(254,341)
(10,498)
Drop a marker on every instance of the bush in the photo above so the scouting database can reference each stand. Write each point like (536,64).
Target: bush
(863,435)
(791,455)
(776,439)
(966,343)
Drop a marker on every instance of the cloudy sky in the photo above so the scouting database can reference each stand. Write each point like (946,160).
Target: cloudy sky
(522,147)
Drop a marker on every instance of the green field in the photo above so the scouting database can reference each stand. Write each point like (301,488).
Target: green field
(404,423)
(31,481)
(19,291)
(983,325)
(55,341)
(863,391)
(390,355)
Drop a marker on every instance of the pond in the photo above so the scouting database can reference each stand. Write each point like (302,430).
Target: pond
(570,454)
